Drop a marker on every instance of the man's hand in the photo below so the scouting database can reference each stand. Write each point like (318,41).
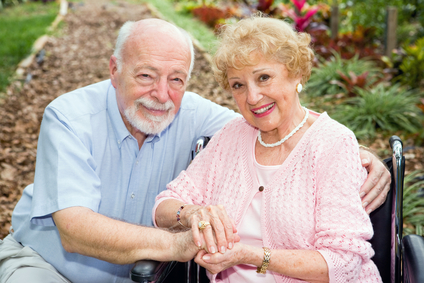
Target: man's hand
(375,189)
(183,248)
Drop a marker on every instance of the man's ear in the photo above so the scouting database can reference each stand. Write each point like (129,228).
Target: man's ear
(113,70)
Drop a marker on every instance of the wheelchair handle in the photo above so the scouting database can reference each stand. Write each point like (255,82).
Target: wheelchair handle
(393,140)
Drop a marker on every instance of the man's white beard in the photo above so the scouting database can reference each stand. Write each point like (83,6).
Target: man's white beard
(150,124)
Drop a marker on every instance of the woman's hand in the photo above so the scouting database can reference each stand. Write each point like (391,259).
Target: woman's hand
(218,262)
(219,235)
(375,189)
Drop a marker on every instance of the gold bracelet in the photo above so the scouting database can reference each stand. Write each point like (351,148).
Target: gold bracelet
(265,262)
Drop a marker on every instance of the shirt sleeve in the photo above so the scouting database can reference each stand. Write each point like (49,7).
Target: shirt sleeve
(65,170)
(342,225)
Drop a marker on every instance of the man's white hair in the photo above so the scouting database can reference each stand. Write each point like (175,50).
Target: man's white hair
(124,34)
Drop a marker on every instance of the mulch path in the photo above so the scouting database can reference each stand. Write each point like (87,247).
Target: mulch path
(77,57)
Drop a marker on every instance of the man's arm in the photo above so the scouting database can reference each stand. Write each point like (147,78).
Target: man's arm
(375,189)
(92,234)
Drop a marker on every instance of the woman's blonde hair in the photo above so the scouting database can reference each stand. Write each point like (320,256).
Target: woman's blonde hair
(273,38)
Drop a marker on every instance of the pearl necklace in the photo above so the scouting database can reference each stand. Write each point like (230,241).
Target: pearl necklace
(286,137)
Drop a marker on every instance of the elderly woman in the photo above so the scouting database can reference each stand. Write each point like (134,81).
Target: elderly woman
(289,177)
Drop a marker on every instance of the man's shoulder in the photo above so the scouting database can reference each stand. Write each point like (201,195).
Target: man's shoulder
(86,100)
(192,100)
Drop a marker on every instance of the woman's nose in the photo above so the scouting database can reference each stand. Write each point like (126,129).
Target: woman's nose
(253,95)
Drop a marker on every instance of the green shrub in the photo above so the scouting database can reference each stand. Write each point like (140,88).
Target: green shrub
(413,204)
(387,108)
(322,78)
(412,65)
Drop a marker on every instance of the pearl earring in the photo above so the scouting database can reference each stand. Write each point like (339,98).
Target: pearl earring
(299,87)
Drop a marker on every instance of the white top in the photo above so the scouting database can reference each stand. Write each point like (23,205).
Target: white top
(250,232)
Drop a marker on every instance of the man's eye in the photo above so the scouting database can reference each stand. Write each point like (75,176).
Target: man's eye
(145,75)
(263,78)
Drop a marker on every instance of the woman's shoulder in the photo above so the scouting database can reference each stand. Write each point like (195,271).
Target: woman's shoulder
(332,129)
(237,125)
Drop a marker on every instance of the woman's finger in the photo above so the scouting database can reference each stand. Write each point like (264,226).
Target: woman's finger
(229,229)
(195,231)
(209,237)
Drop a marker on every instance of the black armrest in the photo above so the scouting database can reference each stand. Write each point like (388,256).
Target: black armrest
(413,258)
(145,271)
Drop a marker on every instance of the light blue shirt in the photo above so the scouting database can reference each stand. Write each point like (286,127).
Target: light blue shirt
(87,157)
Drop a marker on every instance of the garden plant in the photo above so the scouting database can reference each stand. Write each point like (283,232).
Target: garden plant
(374,95)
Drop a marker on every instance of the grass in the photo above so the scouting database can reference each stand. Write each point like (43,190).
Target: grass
(20,26)
(186,21)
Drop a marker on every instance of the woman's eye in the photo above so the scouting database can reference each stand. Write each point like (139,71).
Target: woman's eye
(145,75)
(263,78)
(236,86)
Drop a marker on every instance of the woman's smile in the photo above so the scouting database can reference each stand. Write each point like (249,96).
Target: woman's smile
(263,110)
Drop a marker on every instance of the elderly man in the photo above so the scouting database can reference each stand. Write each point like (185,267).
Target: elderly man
(105,151)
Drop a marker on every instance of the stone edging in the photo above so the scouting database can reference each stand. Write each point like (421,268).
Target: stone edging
(41,41)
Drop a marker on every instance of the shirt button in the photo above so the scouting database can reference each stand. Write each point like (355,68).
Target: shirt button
(132,195)
(261,188)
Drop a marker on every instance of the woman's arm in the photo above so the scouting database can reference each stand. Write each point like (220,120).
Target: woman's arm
(302,264)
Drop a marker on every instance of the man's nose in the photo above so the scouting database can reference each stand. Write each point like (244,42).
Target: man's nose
(160,92)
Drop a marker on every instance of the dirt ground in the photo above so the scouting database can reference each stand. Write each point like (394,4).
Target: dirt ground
(78,56)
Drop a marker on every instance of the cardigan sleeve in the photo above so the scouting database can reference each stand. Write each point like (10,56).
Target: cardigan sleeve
(342,225)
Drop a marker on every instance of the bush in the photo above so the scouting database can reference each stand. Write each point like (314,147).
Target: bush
(323,76)
(386,108)
(412,65)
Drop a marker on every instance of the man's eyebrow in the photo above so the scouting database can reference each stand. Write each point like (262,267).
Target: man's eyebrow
(145,66)
(181,72)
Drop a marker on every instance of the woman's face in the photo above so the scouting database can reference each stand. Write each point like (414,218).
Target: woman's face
(264,93)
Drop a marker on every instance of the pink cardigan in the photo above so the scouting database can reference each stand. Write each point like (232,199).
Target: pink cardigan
(312,203)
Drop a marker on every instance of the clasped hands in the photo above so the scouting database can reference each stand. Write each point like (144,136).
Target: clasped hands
(218,242)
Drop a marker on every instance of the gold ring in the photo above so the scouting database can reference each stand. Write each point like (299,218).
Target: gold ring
(203,224)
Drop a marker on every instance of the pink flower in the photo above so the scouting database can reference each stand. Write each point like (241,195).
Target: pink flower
(299,4)
(303,21)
